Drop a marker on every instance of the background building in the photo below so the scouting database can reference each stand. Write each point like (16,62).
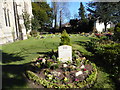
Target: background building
(100,26)
(12,26)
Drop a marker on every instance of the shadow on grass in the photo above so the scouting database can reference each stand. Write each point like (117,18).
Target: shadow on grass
(81,42)
(7,58)
(12,76)
(49,54)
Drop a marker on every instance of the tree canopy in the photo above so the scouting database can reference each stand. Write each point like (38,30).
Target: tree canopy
(42,14)
(105,12)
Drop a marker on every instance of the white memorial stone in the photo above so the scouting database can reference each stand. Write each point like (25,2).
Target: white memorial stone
(65,53)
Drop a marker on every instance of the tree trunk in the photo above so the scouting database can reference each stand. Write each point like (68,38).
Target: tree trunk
(60,19)
(55,21)
(105,24)
(55,13)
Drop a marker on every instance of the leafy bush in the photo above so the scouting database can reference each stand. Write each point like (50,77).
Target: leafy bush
(110,53)
(111,29)
(65,39)
(34,33)
(34,24)
(107,53)
(117,32)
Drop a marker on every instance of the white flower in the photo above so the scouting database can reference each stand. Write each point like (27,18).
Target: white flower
(58,74)
(78,73)
(73,66)
(43,60)
(84,58)
(55,73)
(50,78)
(82,67)
(37,63)
(65,65)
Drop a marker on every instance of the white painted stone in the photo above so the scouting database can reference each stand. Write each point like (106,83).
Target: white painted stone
(78,73)
(65,53)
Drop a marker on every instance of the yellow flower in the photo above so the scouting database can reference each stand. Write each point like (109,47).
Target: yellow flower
(77,59)
(65,79)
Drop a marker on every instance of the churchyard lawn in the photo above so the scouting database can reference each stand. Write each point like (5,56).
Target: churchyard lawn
(18,54)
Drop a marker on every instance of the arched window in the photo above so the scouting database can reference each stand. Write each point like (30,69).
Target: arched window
(5,16)
(8,17)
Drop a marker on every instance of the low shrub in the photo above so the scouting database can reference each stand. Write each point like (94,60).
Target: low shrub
(111,29)
(65,39)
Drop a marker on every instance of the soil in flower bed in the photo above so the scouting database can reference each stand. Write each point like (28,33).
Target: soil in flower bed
(57,72)
(65,72)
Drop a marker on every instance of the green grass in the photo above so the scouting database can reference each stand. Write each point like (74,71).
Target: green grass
(16,55)
(27,50)
(104,81)
(0,47)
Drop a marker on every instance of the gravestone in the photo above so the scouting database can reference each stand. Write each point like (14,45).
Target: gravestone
(65,53)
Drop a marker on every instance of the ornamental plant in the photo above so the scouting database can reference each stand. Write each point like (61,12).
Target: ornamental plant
(55,66)
(49,63)
(49,77)
(78,62)
(76,80)
(65,79)
(54,58)
(65,39)
(39,59)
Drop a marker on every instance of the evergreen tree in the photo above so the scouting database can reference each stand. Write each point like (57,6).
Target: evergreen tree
(81,11)
(83,24)
(65,39)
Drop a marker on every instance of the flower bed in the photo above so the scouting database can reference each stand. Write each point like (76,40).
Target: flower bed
(52,73)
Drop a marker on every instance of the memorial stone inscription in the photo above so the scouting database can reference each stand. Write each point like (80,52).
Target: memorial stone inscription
(65,53)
